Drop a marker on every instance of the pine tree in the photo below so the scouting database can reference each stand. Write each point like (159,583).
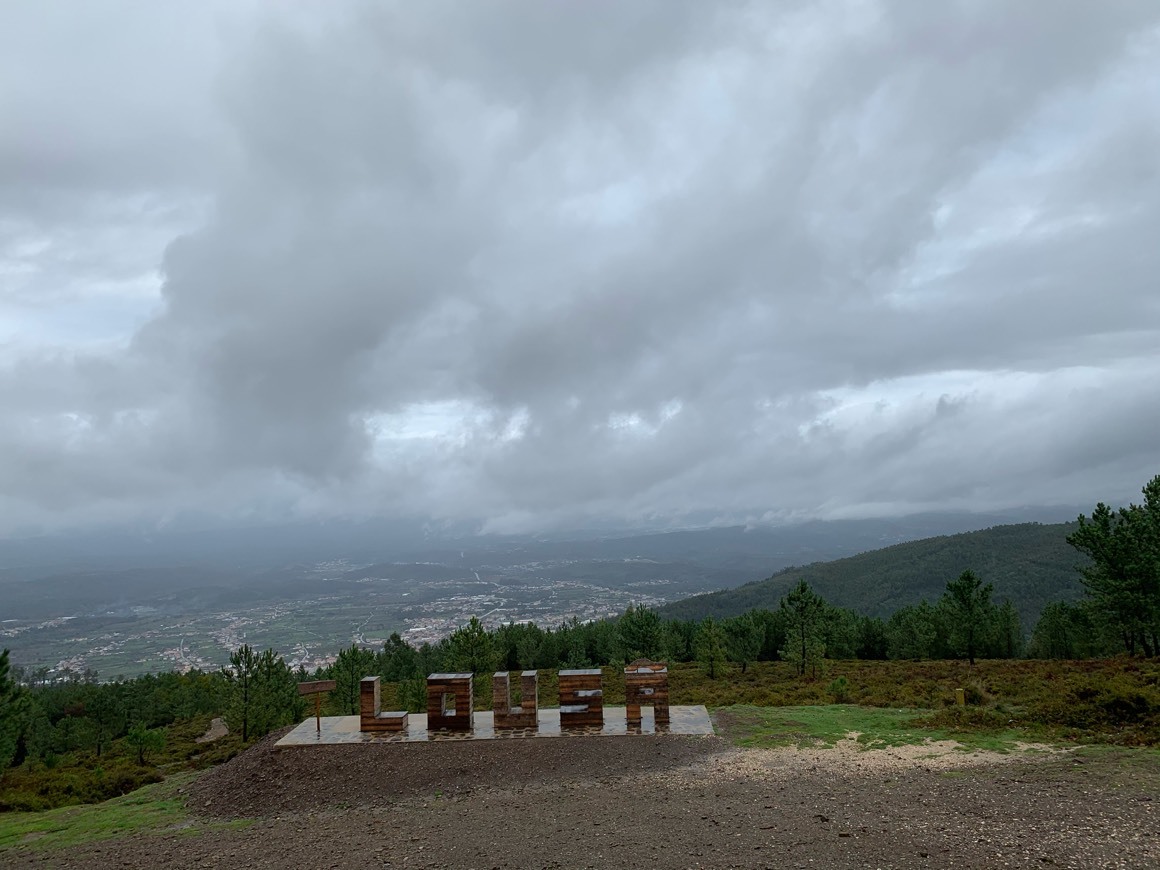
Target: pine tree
(399,660)
(576,651)
(11,707)
(242,676)
(640,633)
(1123,579)
(968,602)
(471,649)
(278,700)
(710,647)
(1008,640)
(804,611)
(262,692)
(105,709)
(744,636)
(348,670)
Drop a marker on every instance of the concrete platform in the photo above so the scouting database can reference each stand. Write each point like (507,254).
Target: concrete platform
(338,730)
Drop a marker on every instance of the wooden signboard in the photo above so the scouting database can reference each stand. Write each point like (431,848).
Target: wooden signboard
(317,688)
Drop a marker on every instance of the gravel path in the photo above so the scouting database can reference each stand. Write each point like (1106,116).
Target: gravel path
(663,802)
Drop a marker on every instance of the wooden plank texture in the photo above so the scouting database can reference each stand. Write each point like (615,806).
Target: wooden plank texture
(316,686)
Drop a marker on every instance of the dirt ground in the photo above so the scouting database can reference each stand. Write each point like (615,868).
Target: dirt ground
(662,802)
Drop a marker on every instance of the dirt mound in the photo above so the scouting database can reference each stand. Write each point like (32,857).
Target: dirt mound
(666,803)
(264,781)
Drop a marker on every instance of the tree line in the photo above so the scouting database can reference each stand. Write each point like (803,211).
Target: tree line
(1123,579)
(44,720)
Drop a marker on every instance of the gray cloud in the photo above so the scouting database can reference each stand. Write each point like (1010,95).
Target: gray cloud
(528,262)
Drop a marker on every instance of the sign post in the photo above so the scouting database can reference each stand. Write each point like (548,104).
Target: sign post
(317,688)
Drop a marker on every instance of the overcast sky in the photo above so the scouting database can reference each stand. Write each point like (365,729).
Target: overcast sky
(536,262)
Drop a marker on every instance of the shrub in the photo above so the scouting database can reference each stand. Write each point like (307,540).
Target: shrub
(1091,703)
(839,690)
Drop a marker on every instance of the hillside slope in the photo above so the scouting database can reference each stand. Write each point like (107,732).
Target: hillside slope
(1031,564)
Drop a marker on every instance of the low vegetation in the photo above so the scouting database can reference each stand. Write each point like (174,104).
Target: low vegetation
(154,808)
(869,727)
(79,776)
(1114,701)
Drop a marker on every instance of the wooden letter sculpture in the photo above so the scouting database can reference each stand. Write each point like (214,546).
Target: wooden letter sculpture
(526,715)
(371,718)
(646,682)
(581,699)
(449,702)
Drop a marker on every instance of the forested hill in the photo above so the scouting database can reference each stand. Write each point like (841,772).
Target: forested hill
(1031,564)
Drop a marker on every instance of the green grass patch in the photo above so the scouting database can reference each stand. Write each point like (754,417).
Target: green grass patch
(1146,758)
(1138,766)
(825,725)
(153,809)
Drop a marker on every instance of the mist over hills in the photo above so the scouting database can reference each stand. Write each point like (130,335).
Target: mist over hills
(184,570)
(127,603)
(1029,563)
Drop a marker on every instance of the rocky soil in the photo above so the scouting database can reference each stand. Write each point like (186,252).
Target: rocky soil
(654,802)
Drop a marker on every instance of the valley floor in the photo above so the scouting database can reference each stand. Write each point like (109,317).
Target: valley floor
(664,802)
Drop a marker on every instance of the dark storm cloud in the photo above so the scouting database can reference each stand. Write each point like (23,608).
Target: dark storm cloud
(527,262)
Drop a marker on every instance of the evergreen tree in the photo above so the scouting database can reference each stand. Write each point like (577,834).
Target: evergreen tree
(262,693)
(347,672)
(242,676)
(145,740)
(1008,633)
(744,636)
(968,602)
(840,633)
(772,624)
(575,651)
(604,642)
(11,707)
(1123,579)
(640,633)
(803,611)
(471,649)
(872,642)
(1071,631)
(105,709)
(679,640)
(528,651)
(431,659)
(399,660)
(413,694)
(710,646)
(279,701)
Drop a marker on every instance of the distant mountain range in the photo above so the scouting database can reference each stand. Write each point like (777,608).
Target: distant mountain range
(246,547)
(1030,564)
(181,570)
